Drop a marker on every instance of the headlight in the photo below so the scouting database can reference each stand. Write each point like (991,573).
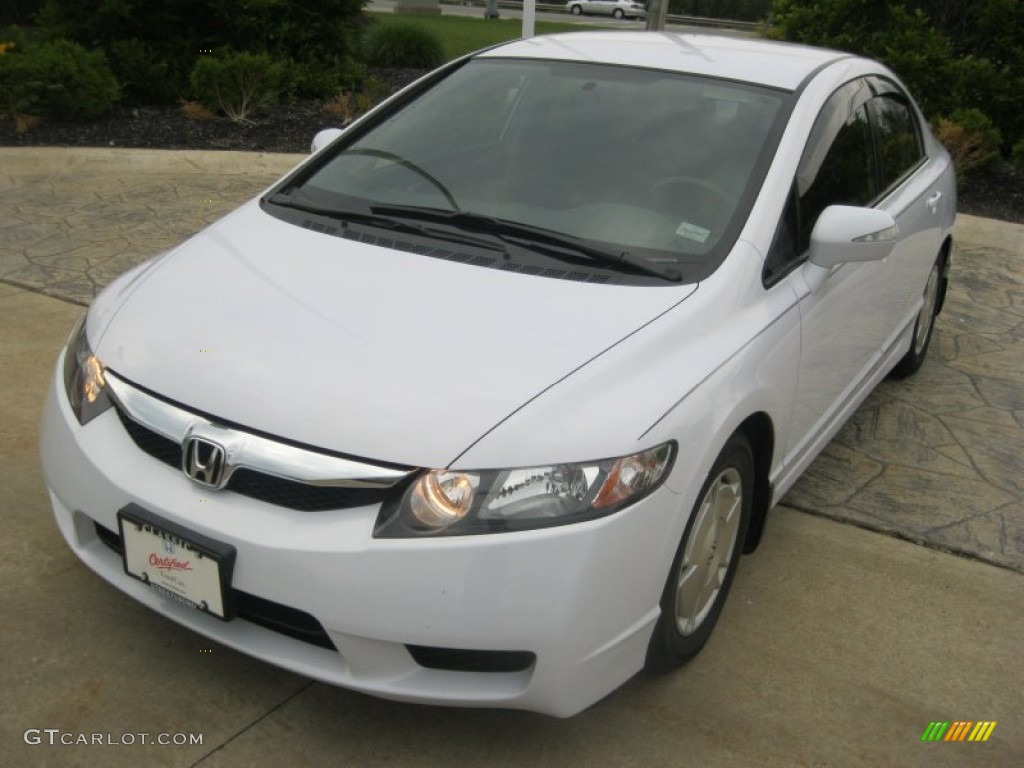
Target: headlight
(455,502)
(83,377)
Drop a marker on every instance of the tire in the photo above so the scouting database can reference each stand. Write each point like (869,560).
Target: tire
(617,13)
(575,10)
(709,552)
(923,326)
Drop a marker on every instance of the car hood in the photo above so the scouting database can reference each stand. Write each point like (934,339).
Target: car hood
(352,347)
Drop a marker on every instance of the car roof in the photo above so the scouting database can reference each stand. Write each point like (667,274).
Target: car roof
(775,64)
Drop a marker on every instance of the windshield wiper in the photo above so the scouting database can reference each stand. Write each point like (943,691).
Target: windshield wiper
(375,219)
(529,236)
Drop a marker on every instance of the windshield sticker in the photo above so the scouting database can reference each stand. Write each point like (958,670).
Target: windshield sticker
(693,232)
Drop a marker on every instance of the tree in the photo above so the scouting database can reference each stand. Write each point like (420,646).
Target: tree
(952,54)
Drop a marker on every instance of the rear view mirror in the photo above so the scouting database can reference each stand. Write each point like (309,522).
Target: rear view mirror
(844,233)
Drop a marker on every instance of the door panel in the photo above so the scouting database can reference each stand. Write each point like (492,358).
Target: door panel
(865,149)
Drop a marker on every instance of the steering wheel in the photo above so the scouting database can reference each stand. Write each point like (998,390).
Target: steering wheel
(399,160)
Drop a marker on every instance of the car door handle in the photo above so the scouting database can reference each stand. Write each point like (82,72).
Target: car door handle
(933,202)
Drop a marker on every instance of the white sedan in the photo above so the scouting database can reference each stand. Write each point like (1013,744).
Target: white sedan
(618,9)
(469,410)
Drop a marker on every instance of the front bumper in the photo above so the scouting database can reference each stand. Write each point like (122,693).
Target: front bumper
(582,598)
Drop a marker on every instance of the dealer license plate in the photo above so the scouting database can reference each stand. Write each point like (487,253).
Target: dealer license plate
(182,565)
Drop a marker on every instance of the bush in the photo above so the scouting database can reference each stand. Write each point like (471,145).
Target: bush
(193,110)
(346,106)
(238,84)
(972,140)
(879,29)
(57,80)
(1017,156)
(153,46)
(147,74)
(19,11)
(951,55)
(318,78)
(403,45)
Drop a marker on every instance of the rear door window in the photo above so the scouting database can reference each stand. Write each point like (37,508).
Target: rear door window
(899,138)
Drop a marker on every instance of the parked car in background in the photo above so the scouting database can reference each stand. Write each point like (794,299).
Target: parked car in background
(482,403)
(619,9)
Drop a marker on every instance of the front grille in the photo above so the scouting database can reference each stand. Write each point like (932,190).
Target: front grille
(300,496)
(460,660)
(156,445)
(257,485)
(266,613)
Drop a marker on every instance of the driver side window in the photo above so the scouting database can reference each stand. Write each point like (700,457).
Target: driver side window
(837,168)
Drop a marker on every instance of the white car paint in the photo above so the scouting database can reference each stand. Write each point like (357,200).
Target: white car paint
(268,332)
(391,357)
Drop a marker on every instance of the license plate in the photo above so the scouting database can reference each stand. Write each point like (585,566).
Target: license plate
(180,564)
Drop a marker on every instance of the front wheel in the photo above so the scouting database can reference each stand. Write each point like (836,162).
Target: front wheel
(705,563)
(923,326)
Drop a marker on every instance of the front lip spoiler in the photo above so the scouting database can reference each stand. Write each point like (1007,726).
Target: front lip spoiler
(250,450)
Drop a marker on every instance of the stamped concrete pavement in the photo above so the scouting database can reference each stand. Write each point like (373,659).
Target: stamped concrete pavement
(938,460)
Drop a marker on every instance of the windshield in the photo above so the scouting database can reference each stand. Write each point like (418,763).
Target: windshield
(657,165)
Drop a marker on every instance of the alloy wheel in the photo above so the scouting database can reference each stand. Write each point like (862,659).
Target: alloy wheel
(709,551)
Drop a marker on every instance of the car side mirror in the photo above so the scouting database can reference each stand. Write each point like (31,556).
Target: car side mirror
(323,138)
(844,233)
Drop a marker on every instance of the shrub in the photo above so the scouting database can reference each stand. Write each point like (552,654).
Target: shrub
(147,74)
(348,105)
(951,55)
(317,36)
(56,80)
(193,110)
(1017,156)
(403,45)
(880,29)
(19,11)
(342,106)
(972,140)
(318,78)
(238,84)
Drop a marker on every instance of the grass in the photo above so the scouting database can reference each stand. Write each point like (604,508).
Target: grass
(460,35)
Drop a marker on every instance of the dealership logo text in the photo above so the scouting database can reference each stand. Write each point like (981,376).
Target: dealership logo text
(55,737)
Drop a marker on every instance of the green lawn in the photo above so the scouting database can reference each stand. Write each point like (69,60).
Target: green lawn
(462,34)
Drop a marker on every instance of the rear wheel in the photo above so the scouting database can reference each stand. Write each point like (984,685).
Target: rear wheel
(576,10)
(617,13)
(705,563)
(923,326)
